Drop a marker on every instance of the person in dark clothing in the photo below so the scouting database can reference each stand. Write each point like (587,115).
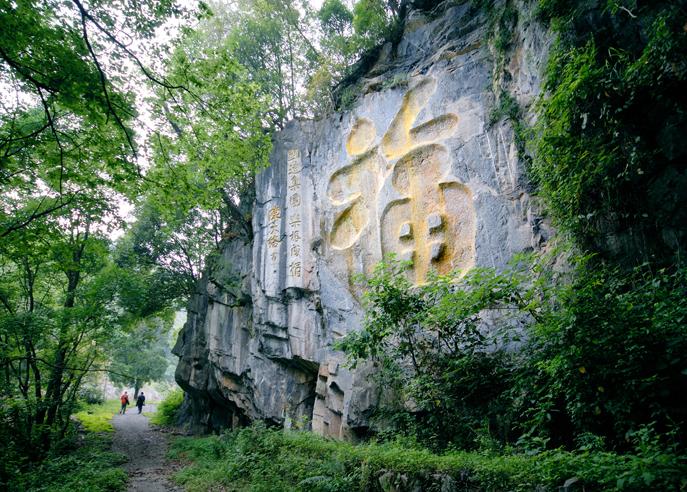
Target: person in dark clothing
(140,401)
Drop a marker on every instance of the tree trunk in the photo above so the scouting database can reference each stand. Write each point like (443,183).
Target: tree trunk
(54,389)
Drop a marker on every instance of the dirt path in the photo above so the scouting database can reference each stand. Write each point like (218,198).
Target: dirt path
(146,448)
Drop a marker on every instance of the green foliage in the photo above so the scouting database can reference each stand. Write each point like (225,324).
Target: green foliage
(98,417)
(507,108)
(220,134)
(65,114)
(68,161)
(372,21)
(139,355)
(349,41)
(212,138)
(167,411)
(91,393)
(58,313)
(258,458)
(576,360)
(609,157)
(608,357)
(335,17)
(86,466)
(444,368)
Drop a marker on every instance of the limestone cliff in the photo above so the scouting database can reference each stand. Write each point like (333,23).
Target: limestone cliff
(412,168)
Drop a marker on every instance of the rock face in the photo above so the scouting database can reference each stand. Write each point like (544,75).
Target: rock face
(413,169)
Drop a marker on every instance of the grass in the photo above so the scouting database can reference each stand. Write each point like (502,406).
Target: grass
(260,459)
(98,417)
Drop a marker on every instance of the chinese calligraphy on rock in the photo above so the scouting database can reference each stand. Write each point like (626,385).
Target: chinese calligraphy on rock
(428,217)
(294,220)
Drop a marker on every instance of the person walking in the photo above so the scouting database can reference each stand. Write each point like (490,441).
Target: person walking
(124,399)
(140,401)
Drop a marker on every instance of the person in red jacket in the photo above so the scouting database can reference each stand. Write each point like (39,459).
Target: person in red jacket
(125,401)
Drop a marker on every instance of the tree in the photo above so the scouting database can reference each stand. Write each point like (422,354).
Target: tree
(164,256)
(58,310)
(141,354)
(68,157)
(63,68)
(211,140)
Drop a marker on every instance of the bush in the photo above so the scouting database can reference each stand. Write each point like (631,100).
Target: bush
(262,459)
(91,394)
(86,466)
(608,159)
(609,357)
(432,347)
(604,355)
(168,410)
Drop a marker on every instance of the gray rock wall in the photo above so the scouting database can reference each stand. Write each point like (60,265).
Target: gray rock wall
(411,169)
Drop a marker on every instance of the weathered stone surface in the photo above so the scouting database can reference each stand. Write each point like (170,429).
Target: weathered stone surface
(412,170)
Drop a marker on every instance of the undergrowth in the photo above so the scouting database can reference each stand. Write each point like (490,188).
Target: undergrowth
(79,463)
(168,409)
(262,459)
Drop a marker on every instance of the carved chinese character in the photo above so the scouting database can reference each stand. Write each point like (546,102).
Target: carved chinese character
(295,235)
(295,268)
(273,241)
(295,200)
(295,250)
(293,161)
(294,182)
(274,214)
(295,220)
(431,219)
(433,223)
(353,189)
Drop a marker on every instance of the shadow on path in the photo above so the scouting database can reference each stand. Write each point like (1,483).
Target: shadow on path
(146,449)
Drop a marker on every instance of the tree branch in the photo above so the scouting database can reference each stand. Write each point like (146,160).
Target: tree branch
(103,78)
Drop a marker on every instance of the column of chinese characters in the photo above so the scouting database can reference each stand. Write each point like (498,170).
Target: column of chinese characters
(293,214)
(273,232)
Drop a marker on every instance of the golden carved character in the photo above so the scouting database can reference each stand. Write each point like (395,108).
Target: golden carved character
(274,214)
(432,223)
(273,241)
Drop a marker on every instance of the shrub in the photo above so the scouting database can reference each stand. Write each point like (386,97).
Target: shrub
(604,353)
(444,366)
(262,459)
(88,465)
(609,357)
(91,394)
(168,409)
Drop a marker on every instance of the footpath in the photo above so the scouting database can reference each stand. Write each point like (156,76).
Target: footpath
(146,449)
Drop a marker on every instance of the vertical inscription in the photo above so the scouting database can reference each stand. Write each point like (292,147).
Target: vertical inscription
(294,222)
(273,232)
